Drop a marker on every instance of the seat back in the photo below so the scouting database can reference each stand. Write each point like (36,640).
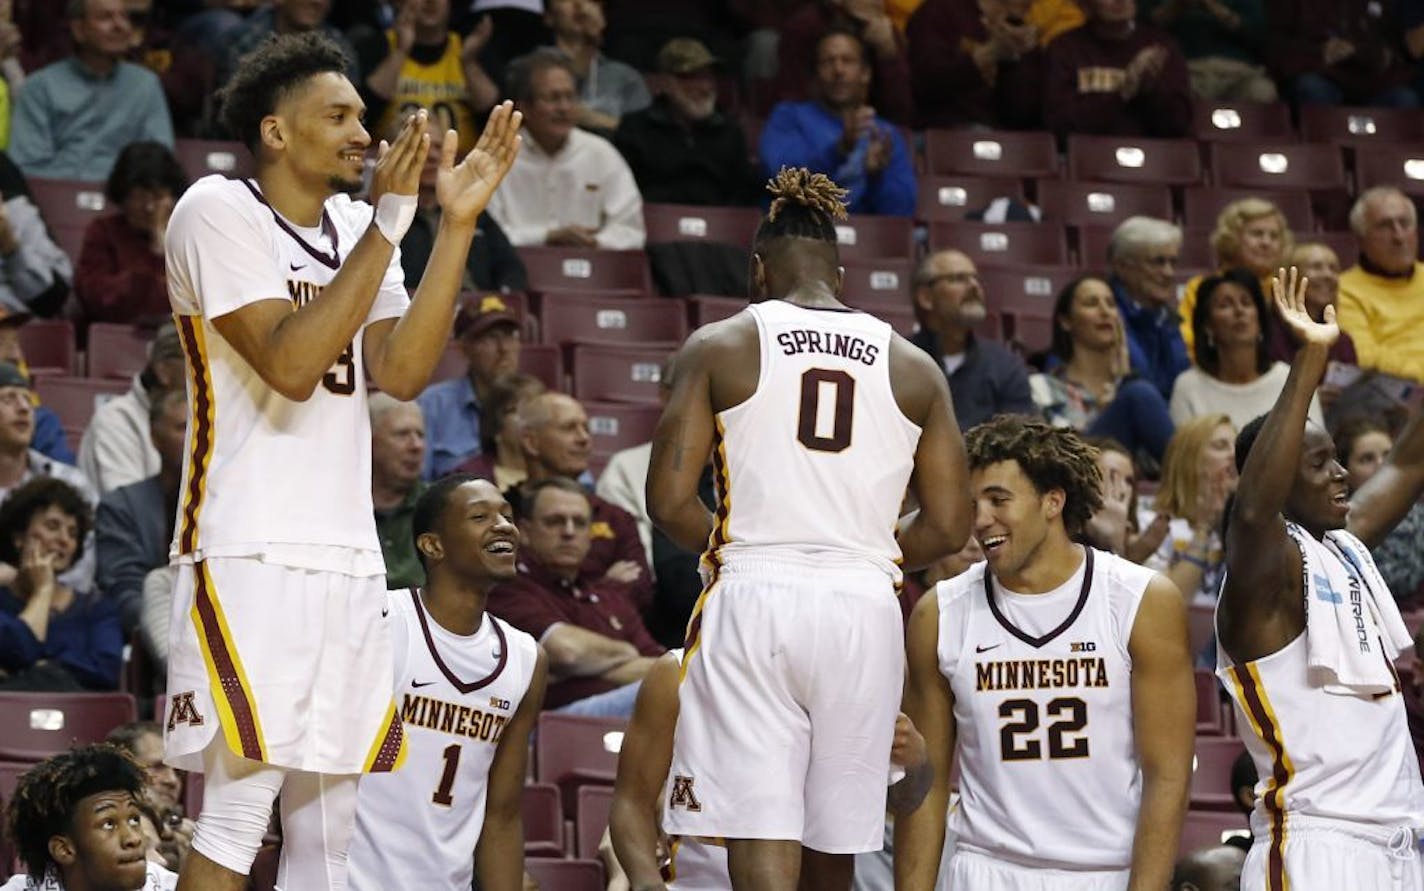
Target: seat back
(1347,125)
(543,820)
(74,400)
(878,282)
(594,804)
(1214,121)
(950,197)
(614,426)
(1003,154)
(1030,290)
(48,345)
(1211,776)
(685,222)
(617,373)
(565,875)
(704,309)
(34,726)
(1203,204)
(1005,244)
(1125,159)
(862,237)
(572,751)
(1278,166)
(597,318)
(1391,165)
(1102,204)
(586,269)
(544,361)
(204,157)
(1207,829)
(117,351)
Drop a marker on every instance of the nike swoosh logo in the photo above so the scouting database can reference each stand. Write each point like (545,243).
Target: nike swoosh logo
(385,612)
(296,268)
(417,684)
(986,649)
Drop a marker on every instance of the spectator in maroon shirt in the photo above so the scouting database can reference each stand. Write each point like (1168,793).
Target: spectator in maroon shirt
(974,62)
(1335,52)
(597,645)
(890,92)
(554,438)
(120,276)
(1116,76)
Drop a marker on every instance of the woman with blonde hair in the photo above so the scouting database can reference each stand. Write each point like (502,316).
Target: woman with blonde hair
(1198,474)
(1252,233)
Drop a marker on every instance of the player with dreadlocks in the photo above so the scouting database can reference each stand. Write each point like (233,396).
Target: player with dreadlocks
(816,417)
(1065,676)
(75,821)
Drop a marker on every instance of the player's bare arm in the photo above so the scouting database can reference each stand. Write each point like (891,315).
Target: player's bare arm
(1381,503)
(1164,725)
(929,703)
(941,479)
(908,752)
(499,857)
(1261,607)
(683,439)
(643,765)
(292,348)
(402,353)
(578,652)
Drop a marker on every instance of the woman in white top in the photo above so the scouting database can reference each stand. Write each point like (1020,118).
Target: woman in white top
(1234,373)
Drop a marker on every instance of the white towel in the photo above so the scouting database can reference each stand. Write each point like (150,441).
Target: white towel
(1353,630)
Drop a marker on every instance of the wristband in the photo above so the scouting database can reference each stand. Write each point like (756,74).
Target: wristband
(394,214)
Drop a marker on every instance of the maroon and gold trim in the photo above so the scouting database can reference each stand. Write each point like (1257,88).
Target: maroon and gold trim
(1251,693)
(231,692)
(200,431)
(712,559)
(389,750)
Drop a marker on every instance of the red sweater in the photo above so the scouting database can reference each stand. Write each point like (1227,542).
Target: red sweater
(1085,72)
(118,277)
(950,90)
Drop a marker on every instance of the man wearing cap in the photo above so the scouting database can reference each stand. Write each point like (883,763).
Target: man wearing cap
(681,148)
(49,431)
(116,449)
(488,334)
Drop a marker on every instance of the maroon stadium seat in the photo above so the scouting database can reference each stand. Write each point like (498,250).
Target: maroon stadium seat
(117,351)
(543,821)
(1214,121)
(705,308)
(684,222)
(994,153)
(584,269)
(1211,719)
(1211,778)
(202,157)
(1125,159)
(1101,204)
(1007,244)
(1025,289)
(864,237)
(1206,829)
(1391,165)
(1278,166)
(1203,204)
(878,282)
(902,319)
(544,362)
(1200,626)
(1031,330)
(65,202)
(1361,127)
(617,373)
(614,426)
(1345,245)
(34,726)
(594,803)
(48,345)
(943,197)
(565,875)
(74,399)
(596,318)
(572,751)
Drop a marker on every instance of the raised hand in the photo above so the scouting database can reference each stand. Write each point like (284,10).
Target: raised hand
(1288,290)
(464,189)
(479,38)
(398,164)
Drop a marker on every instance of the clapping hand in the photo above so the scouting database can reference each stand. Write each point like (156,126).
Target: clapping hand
(464,189)
(399,163)
(1288,289)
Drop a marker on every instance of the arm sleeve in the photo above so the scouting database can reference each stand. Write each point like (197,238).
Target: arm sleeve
(19,648)
(156,613)
(93,651)
(894,189)
(623,227)
(122,559)
(244,270)
(31,137)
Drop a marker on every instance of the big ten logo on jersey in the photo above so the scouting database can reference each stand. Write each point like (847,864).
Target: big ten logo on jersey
(847,346)
(502,704)
(682,795)
(1035,726)
(1082,646)
(452,718)
(340,380)
(183,710)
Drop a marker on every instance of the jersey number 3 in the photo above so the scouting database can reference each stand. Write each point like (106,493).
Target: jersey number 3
(827,404)
(341,379)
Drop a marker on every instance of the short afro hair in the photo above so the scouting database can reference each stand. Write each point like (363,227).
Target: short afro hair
(28,499)
(431,504)
(1051,457)
(46,797)
(268,74)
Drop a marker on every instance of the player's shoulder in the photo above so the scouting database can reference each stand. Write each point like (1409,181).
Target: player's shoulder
(517,640)
(962,589)
(215,194)
(1120,575)
(714,341)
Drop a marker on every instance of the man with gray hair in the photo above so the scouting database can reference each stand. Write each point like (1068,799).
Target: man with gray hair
(397,455)
(568,187)
(1382,297)
(116,449)
(985,379)
(1142,263)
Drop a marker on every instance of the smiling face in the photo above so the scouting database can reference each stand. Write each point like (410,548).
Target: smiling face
(104,848)
(52,531)
(1012,519)
(17,418)
(1262,240)
(1320,498)
(317,128)
(476,535)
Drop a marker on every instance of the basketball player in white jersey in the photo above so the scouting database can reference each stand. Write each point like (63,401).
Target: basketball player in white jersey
(1063,675)
(1339,803)
(700,864)
(287,295)
(469,687)
(816,417)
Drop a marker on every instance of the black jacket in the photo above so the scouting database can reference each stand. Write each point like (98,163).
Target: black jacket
(707,164)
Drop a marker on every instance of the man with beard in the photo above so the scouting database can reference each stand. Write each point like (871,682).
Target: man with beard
(288,296)
(984,378)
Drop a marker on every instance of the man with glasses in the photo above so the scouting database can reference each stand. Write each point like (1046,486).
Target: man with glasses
(1142,259)
(568,187)
(985,379)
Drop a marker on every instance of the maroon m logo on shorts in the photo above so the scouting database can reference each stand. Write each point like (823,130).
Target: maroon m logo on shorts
(183,711)
(682,795)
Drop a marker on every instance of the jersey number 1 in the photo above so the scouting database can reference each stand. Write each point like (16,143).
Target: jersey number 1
(442,794)
(810,425)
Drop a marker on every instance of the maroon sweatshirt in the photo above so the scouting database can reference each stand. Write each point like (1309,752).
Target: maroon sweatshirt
(1085,73)
(950,89)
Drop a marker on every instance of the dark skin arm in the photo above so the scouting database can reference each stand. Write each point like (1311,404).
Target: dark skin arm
(1262,605)
(643,764)
(499,856)
(1382,502)
(929,703)
(940,480)
(1164,725)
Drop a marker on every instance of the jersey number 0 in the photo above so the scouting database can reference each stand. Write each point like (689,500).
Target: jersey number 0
(816,415)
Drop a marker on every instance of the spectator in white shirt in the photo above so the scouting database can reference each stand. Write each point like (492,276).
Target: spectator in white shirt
(567,187)
(116,449)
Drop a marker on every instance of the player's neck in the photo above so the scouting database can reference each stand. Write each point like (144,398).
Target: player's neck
(457,607)
(812,293)
(1049,568)
(291,198)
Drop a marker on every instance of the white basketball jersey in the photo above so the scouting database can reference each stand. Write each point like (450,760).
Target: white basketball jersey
(698,864)
(1043,704)
(817,460)
(247,444)
(1319,754)
(418,827)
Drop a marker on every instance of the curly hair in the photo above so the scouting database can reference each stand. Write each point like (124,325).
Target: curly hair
(1051,457)
(28,499)
(268,74)
(803,205)
(1233,219)
(1207,356)
(46,797)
